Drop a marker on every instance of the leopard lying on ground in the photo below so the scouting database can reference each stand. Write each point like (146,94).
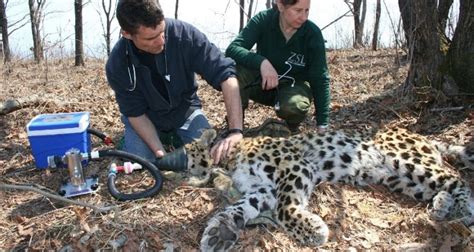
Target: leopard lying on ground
(281,173)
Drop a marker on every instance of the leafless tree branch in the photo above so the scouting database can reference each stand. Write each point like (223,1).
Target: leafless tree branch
(63,199)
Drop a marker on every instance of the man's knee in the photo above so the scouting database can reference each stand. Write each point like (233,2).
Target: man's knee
(193,127)
(135,145)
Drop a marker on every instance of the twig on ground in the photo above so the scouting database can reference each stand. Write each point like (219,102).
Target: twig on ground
(450,109)
(275,238)
(17,171)
(106,243)
(171,238)
(63,199)
(396,113)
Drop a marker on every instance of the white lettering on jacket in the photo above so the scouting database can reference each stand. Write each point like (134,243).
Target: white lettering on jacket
(296,59)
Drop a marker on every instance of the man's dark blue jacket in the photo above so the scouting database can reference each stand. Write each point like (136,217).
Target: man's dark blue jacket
(187,51)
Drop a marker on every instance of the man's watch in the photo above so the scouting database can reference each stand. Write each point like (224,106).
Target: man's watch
(232,131)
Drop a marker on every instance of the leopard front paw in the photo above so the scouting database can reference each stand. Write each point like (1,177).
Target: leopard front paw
(221,233)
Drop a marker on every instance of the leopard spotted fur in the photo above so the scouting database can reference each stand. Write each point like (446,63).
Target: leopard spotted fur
(280,174)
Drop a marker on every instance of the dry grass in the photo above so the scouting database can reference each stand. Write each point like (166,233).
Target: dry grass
(364,91)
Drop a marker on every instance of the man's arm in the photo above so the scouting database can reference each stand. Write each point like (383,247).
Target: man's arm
(233,103)
(233,106)
(147,132)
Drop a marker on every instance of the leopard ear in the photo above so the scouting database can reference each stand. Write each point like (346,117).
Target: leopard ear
(208,136)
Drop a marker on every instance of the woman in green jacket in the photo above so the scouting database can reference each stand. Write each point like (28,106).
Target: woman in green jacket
(288,69)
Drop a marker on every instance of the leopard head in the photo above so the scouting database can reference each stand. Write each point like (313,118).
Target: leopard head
(198,153)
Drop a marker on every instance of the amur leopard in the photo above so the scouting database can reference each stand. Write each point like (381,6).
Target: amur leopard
(280,174)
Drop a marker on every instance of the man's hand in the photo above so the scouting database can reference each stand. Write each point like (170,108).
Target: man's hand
(160,153)
(269,75)
(147,132)
(224,147)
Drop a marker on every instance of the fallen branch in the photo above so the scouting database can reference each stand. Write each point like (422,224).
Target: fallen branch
(9,106)
(451,109)
(16,104)
(63,199)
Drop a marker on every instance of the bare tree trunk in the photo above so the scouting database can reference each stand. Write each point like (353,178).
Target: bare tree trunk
(176,6)
(407,16)
(461,52)
(1,44)
(36,16)
(359,20)
(425,46)
(109,16)
(249,13)
(242,14)
(436,62)
(375,36)
(357,33)
(79,59)
(268,4)
(362,18)
(4,29)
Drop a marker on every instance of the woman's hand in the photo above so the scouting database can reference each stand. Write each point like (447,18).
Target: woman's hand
(269,75)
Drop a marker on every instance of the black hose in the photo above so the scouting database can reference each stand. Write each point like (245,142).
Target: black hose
(106,139)
(176,161)
(145,164)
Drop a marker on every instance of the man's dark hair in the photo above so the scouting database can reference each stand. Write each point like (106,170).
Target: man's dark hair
(131,14)
(285,3)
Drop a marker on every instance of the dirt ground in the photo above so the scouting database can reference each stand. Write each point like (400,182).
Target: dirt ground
(365,91)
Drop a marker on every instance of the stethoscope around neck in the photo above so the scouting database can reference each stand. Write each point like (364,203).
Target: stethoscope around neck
(132,73)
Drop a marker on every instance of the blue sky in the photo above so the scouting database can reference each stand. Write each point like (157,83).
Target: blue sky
(218,19)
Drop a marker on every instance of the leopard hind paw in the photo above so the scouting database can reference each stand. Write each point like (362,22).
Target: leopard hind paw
(221,233)
(442,203)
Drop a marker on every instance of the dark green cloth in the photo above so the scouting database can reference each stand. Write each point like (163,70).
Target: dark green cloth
(305,51)
(294,100)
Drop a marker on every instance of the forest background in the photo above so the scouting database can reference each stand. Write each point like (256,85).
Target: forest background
(218,19)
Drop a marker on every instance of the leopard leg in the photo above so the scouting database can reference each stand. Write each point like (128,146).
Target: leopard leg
(305,227)
(222,230)
(463,154)
(450,201)
(442,201)
(293,193)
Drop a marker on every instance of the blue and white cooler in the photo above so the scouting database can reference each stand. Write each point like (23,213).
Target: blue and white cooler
(55,134)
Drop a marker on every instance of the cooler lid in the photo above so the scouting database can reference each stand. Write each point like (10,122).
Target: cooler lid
(59,123)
